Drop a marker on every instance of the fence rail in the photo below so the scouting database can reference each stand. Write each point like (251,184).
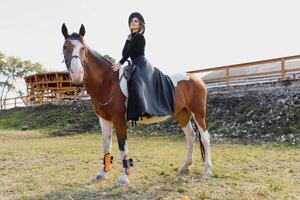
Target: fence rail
(38,99)
(228,77)
(227,80)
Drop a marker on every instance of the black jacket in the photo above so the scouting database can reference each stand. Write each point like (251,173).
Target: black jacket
(133,48)
(151,93)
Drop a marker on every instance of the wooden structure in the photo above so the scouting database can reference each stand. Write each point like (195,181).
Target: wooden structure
(258,74)
(57,86)
(52,87)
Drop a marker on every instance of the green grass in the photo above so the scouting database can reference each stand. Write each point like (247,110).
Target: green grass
(35,166)
(59,119)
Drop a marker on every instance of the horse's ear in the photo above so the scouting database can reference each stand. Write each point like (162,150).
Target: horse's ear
(64,31)
(82,30)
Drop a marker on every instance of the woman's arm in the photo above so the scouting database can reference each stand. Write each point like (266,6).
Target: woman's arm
(135,42)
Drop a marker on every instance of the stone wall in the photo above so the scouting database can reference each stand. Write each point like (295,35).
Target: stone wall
(268,111)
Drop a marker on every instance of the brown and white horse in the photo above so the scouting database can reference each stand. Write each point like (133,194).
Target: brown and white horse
(109,103)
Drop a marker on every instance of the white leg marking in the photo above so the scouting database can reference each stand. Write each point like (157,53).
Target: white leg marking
(205,138)
(123,153)
(190,136)
(123,180)
(106,127)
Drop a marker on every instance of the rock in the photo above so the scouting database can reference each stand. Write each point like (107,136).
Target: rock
(24,128)
(268,111)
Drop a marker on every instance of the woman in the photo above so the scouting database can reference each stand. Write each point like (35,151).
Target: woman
(151,93)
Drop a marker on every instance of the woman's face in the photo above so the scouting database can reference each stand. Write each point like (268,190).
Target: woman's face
(135,24)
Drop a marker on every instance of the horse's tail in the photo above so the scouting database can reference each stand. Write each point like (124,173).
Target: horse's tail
(202,150)
(201,147)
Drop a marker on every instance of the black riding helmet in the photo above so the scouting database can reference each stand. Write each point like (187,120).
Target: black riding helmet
(137,15)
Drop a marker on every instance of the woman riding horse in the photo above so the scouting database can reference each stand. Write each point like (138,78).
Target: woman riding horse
(147,83)
(151,93)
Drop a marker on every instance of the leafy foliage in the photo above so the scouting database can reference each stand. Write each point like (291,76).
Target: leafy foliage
(11,69)
(111,59)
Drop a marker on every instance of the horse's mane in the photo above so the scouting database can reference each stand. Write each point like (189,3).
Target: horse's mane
(76,36)
(99,56)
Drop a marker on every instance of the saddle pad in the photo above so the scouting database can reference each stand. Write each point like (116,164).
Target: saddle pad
(175,78)
(123,82)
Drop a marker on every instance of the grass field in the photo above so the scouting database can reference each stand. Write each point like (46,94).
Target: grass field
(35,166)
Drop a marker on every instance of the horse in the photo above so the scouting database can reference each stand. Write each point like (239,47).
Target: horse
(109,103)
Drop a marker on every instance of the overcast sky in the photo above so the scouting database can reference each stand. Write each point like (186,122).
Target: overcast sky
(180,35)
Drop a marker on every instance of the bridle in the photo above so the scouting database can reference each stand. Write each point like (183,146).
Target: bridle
(68,63)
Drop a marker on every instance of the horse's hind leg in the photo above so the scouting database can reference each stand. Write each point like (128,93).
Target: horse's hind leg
(200,121)
(184,119)
(106,127)
(190,137)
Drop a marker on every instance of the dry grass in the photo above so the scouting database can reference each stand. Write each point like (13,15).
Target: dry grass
(34,166)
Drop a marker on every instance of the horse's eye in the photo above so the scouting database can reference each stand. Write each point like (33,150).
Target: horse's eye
(65,47)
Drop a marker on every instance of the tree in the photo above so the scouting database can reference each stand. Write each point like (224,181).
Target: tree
(11,69)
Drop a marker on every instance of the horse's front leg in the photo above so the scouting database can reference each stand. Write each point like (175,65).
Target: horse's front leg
(106,127)
(121,131)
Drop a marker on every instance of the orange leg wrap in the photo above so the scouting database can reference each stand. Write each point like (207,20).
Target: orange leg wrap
(107,162)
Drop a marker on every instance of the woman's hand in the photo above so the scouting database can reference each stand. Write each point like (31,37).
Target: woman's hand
(116,66)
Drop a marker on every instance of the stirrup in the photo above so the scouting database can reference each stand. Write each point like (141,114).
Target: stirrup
(107,161)
(128,165)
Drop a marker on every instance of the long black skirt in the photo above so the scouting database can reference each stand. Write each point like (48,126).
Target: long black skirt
(150,92)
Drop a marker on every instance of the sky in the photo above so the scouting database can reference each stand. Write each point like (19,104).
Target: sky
(180,35)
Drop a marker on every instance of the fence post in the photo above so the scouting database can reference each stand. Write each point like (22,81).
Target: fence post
(57,96)
(26,100)
(15,102)
(75,95)
(283,72)
(227,76)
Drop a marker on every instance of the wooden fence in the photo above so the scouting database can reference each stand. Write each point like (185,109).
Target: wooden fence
(38,99)
(229,77)
(60,94)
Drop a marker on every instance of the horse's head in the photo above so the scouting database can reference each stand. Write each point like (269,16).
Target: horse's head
(74,53)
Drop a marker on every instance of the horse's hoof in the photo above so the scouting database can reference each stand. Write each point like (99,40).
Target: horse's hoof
(123,182)
(185,170)
(101,177)
(207,175)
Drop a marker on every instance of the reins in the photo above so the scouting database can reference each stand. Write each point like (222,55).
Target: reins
(109,100)
(114,92)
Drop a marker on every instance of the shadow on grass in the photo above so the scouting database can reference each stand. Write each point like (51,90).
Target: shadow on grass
(165,186)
